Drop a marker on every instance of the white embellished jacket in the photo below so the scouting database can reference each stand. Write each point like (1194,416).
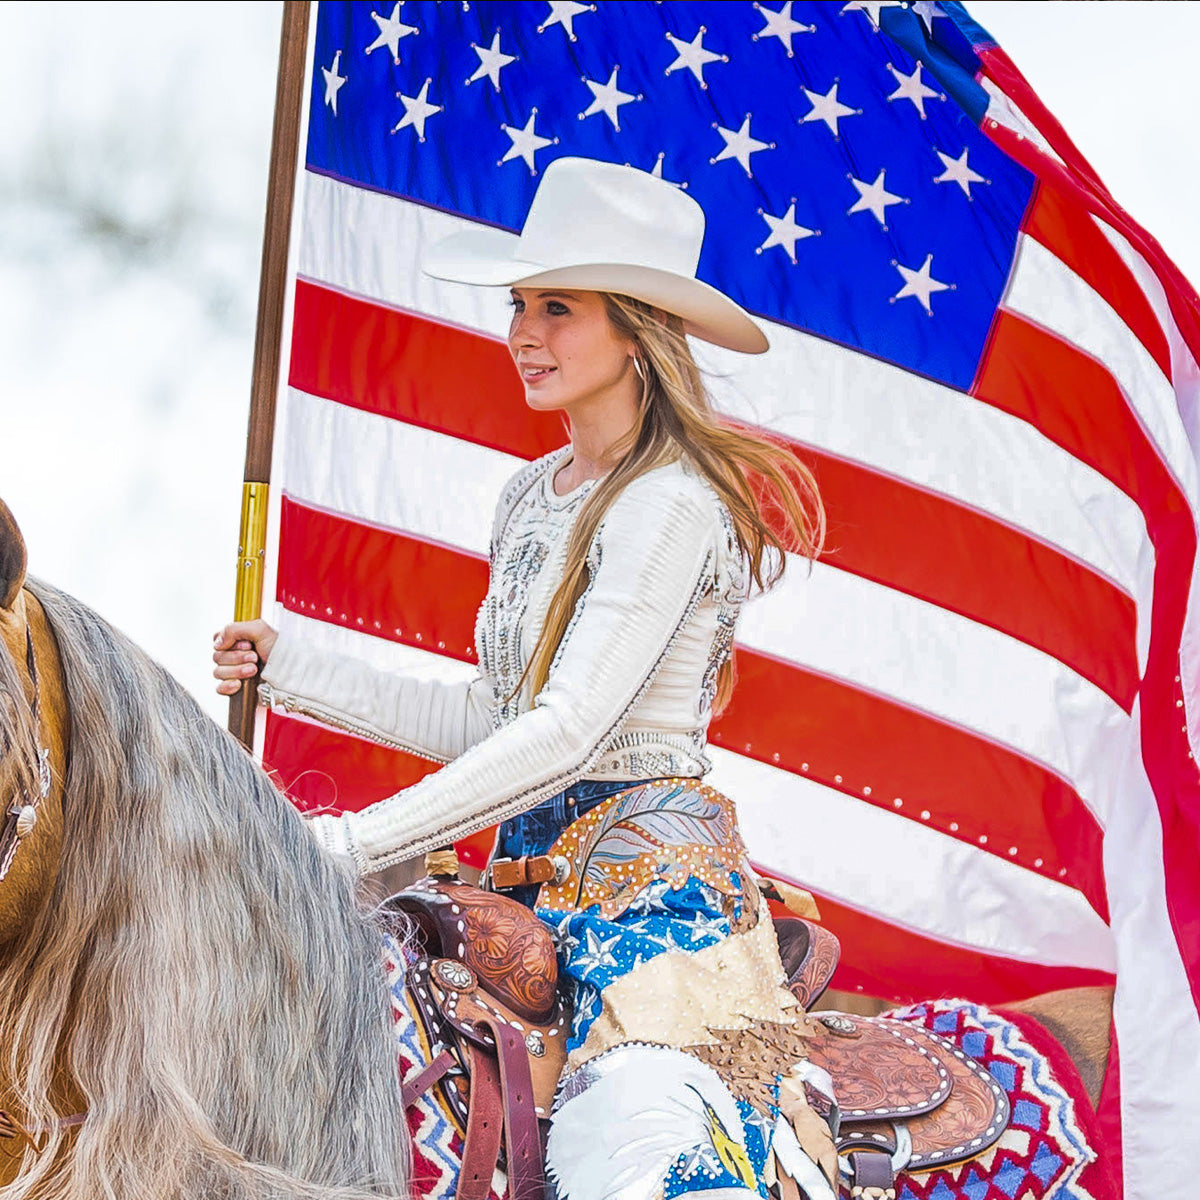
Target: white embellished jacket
(629,693)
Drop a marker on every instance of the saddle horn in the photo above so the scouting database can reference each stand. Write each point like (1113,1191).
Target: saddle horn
(13,558)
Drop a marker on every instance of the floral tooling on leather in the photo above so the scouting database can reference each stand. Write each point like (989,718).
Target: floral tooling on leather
(675,830)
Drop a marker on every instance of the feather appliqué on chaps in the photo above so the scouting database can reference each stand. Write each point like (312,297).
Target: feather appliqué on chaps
(675,830)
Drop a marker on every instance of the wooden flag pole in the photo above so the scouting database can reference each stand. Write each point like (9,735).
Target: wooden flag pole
(268,336)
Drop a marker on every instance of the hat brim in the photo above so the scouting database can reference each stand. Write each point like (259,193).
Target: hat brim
(490,257)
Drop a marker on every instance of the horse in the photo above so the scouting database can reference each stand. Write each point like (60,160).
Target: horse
(192,994)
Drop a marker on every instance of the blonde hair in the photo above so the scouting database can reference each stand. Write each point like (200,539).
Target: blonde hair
(771,495)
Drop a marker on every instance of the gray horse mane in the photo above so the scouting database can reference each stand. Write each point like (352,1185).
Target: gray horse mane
(221,993)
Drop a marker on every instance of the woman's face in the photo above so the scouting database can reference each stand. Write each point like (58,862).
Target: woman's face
(567,353)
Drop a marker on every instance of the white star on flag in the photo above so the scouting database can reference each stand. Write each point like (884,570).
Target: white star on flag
(491,61)
(785,233)
(874,198)
(958,171)
(919,284)
(912,87)
(928,10)
(693,55)
(828,108)
(391,30)
(780,24)
(525,143)
(417,110)
(871,7)
(657,171)
(564,12)
(333,81)
(740,145)
(607,98)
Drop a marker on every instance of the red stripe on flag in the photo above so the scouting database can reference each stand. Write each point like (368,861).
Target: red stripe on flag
(960,559)
(344,773)
(1080,244)
(397,364)
(781,714)
(358,353)
(886,960)
(879,751)
(378,581)
(1076,403)
(322,769)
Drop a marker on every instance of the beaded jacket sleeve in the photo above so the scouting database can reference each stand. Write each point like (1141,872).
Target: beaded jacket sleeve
(664,582)
(427,717)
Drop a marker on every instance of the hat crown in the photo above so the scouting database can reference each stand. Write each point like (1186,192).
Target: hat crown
(585,211)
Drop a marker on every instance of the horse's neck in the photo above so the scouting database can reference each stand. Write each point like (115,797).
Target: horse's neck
(34,868)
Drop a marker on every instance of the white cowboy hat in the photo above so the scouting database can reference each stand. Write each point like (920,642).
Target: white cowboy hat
(601,227)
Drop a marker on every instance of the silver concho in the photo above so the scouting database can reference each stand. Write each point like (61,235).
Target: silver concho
(455,975)
(837,1023)
(535,1044)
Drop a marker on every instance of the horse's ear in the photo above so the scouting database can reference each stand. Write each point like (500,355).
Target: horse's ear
(12,558)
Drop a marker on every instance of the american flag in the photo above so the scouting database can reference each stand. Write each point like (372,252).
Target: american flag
(965,729)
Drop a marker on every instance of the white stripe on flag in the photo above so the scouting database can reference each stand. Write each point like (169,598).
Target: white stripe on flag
(1158,1029)
(928,658)
(378,652)
(390,473)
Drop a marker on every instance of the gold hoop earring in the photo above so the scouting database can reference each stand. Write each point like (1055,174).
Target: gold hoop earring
(637,366)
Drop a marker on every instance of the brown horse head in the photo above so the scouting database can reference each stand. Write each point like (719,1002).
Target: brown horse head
(12,558)
(34,719)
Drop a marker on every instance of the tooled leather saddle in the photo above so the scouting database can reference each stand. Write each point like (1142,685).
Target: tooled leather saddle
(486,992)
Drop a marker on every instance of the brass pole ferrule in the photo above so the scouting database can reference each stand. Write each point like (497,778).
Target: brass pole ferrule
(252,552)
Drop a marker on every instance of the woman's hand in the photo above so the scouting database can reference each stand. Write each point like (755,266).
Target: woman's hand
(239,650)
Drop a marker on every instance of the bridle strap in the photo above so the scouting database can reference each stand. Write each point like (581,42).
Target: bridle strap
(9,831)
(34,1136)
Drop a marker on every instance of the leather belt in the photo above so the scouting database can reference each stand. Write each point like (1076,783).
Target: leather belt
(534,868)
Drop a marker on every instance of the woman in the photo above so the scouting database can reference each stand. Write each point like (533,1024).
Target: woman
(618,567)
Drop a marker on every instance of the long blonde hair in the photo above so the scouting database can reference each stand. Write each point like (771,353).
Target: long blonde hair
(771,495)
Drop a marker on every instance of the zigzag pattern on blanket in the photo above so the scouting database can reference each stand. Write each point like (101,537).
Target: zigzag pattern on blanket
(1047,1151)
(437,1147)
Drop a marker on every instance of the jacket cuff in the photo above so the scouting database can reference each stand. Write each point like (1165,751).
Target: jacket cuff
(334,836)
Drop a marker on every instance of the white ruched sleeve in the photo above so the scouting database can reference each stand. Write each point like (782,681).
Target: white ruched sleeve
(652,564)
(427,717)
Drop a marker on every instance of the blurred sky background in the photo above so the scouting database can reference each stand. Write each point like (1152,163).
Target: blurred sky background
(135,141)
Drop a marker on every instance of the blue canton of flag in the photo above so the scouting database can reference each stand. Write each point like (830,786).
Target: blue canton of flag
(819,151)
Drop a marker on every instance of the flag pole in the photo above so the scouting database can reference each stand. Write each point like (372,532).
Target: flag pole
(268,334)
